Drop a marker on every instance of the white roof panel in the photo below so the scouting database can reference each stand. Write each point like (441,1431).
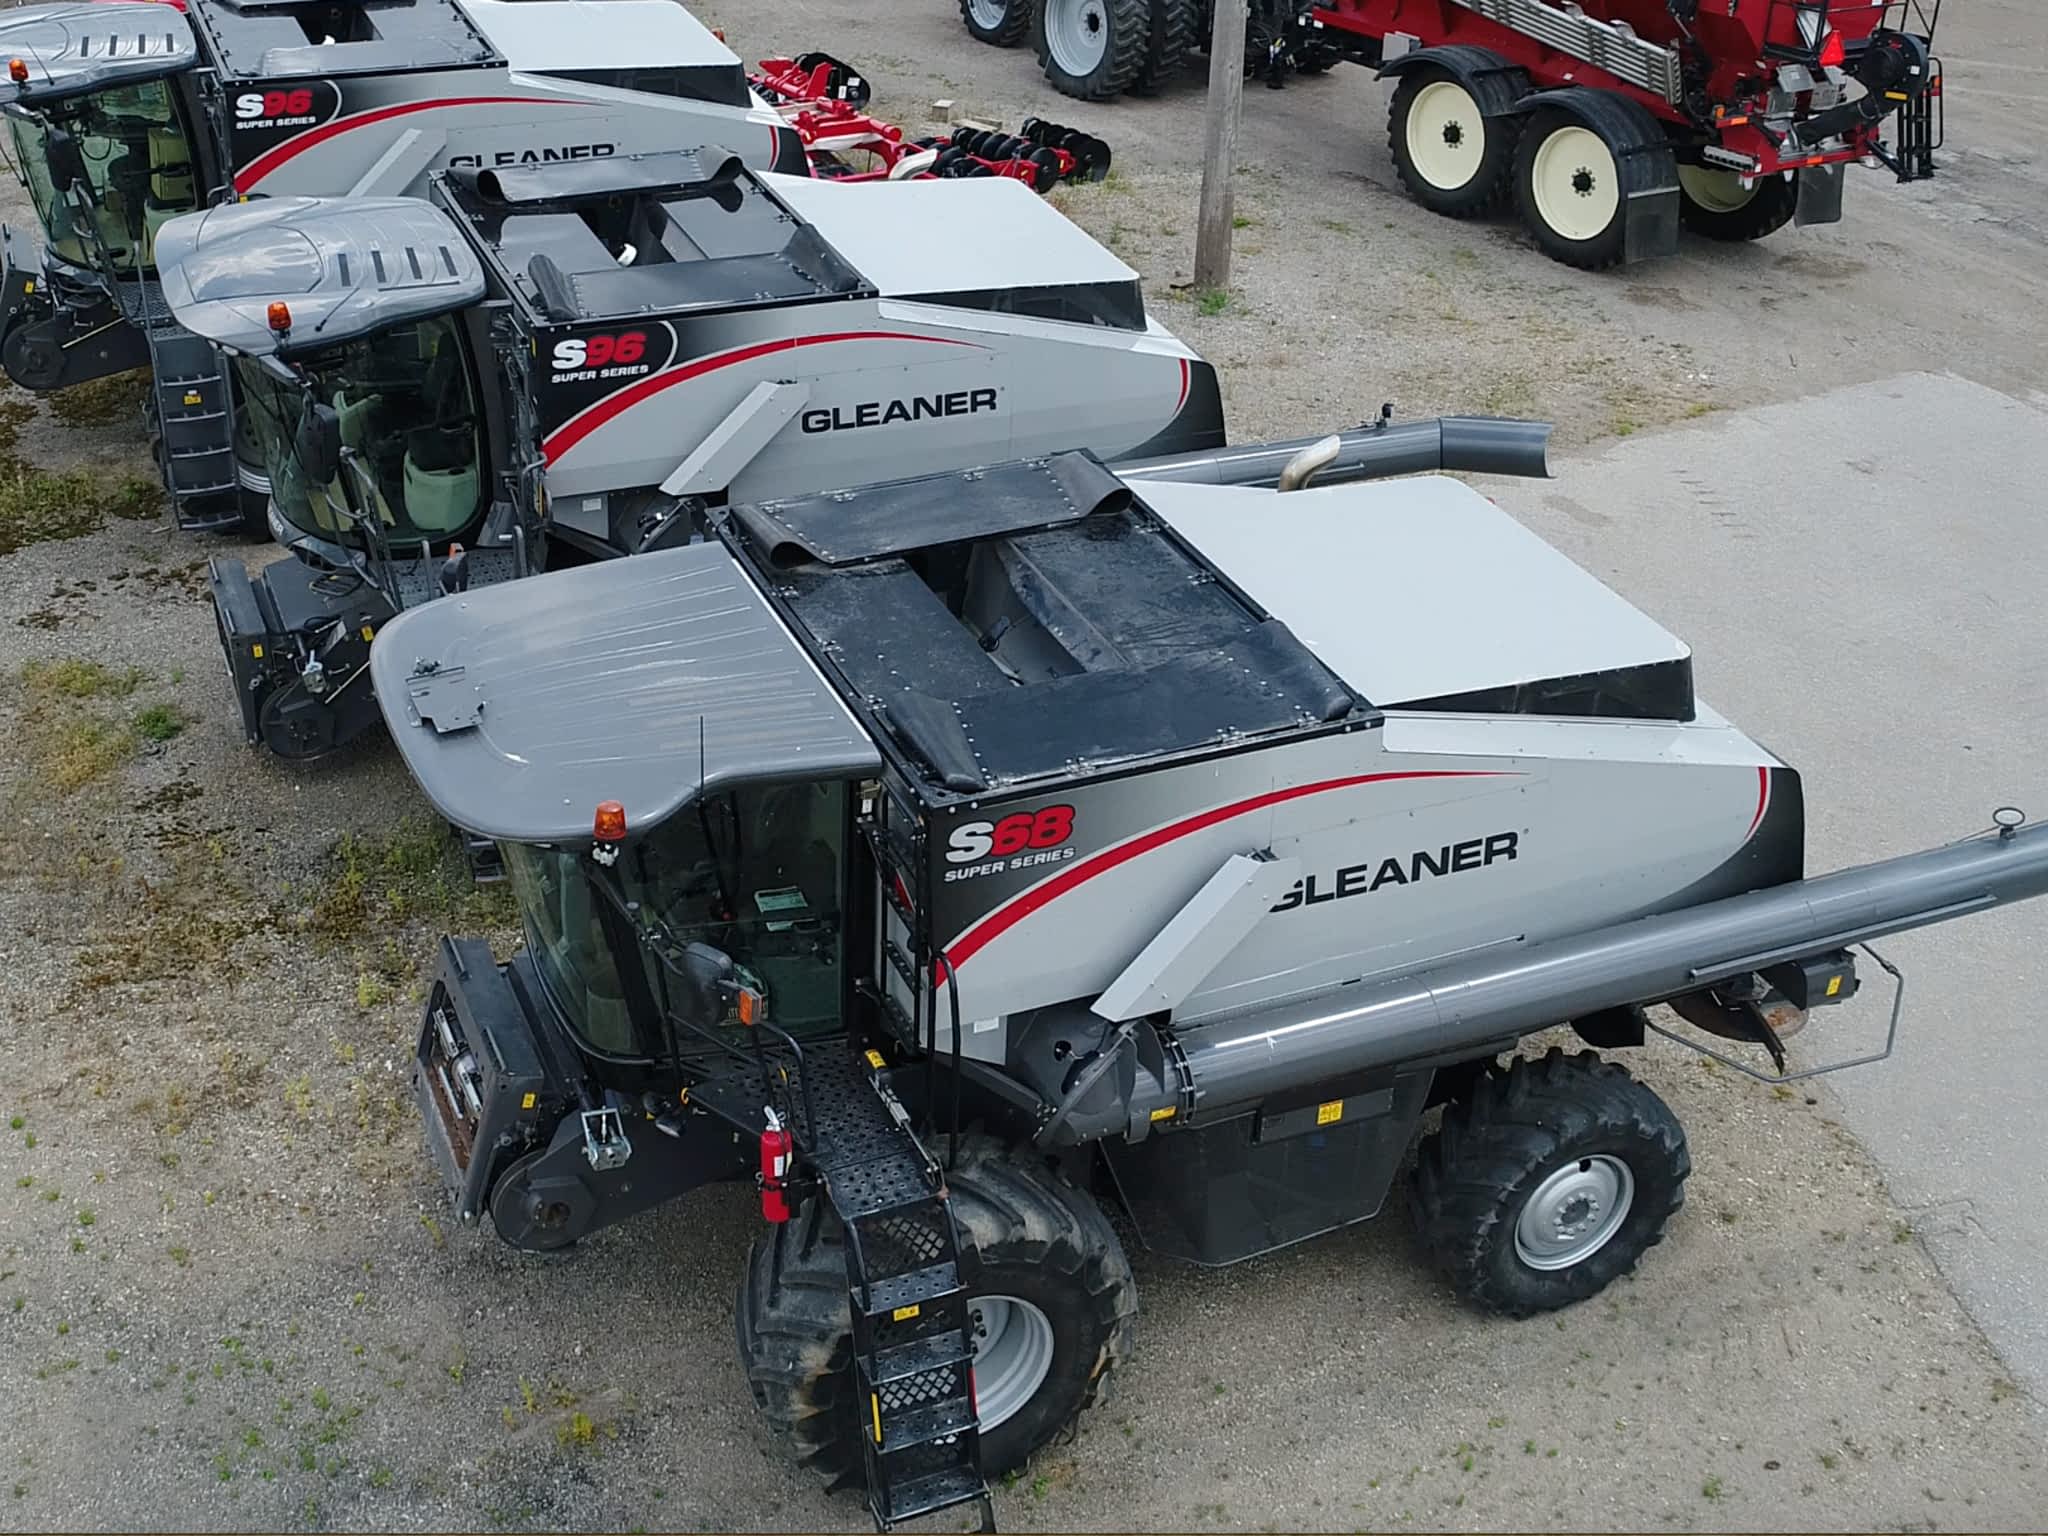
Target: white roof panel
(1413,589)
(971,234)
(549,36)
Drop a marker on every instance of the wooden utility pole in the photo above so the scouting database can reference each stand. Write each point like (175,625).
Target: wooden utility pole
(1219,144)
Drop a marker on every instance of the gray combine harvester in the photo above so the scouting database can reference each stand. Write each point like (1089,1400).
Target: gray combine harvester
(124,115)
(575,361)
(938,854)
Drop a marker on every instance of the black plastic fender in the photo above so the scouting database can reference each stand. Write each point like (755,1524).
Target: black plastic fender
(1642,156)
(246,637)
(1500,88)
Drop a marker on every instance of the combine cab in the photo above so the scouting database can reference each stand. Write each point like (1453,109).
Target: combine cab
(1609,125)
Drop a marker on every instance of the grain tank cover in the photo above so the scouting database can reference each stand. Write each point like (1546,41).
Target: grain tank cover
(673,53)
(299,39)
(340,266)
(1424,594)
(72,49)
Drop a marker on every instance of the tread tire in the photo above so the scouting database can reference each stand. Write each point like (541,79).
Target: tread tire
(1487,190)
(1520,1124)
(1130,35)
(1171,36)
(1597,254)
(1007,33)
(1769,211)
(1038,1237)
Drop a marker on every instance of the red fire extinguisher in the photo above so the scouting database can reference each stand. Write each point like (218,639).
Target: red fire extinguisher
(775,1150)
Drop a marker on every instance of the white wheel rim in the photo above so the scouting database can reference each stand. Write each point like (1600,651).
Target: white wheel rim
(1715,191)
(988,13)
(1446,135)
(1574,182)
(1077,34)
(1574,1213)
(1013,1347)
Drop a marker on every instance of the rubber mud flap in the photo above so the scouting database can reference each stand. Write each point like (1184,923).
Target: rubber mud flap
(1820,195)
(244,637)
(1650,227)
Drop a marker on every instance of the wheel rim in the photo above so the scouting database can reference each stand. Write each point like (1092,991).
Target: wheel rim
(1574,183)
(1574,1213)
(1715,191)
(988,13)
(1446,135)
(1077,33)
(1013,1348)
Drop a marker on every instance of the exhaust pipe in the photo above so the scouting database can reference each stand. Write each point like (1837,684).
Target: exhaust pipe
(1472,445)
(1511,988)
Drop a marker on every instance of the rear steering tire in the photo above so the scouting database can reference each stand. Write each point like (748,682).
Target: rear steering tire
(1452,160)
(1714,203)
(1568,187)
(1547,1182)
(1001,23)
(1052,1309)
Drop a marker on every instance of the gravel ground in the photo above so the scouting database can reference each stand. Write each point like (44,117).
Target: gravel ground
(231,1295)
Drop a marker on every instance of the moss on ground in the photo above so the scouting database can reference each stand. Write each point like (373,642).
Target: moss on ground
(37,505)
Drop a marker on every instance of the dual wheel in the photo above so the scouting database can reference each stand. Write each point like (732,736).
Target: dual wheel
(1546,1180)
(1093,50)
(1563,175)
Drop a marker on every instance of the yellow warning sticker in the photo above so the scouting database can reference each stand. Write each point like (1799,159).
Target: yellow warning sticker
(529,1101)
(875,1407)
(369,634)
(875,1060)
(1328,1113)
(256,651)
(1167,1113)
(1834,985)
(192,397)
(903,1314)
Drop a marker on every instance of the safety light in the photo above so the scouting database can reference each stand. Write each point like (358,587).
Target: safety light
(747,1005)
(279,316)
(17,71)
(610,826)
(1832,51)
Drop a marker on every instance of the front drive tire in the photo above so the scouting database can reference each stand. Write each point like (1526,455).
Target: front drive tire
(1569,190)
(1045,1248)
(1713,203)
(1451,159)
(1549,1181)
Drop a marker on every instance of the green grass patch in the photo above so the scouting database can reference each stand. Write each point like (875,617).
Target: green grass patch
(159,722)
(113,401)
(1212,301)
(38,505)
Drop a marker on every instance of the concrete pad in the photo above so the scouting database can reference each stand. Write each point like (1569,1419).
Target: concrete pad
(1861,576)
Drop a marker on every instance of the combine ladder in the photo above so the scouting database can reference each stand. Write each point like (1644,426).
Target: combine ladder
(194,415)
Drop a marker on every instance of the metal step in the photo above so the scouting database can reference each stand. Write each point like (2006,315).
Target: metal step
(885,1298)
(901,1362)
(927,1425)
(934,1491)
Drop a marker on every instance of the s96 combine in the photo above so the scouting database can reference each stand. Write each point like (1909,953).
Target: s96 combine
(944,855)
(574,361)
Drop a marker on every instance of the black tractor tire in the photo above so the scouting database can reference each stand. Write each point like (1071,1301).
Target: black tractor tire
(1172,34)
(999,23)
(1729,216)
(1490,179)
(1590,250)
(1039,1239)
(1522,1128)
(1127,29)
(255,507)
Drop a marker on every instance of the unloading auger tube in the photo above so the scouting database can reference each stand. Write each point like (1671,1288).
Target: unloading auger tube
(1508,990)
(1470,445)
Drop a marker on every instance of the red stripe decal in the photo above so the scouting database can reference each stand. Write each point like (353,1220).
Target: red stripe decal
(1022,905)
(595,415)
(247,177)
(1763,801)
(1183,400)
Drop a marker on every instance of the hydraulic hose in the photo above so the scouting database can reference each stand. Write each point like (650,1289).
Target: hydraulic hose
(1473,445)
